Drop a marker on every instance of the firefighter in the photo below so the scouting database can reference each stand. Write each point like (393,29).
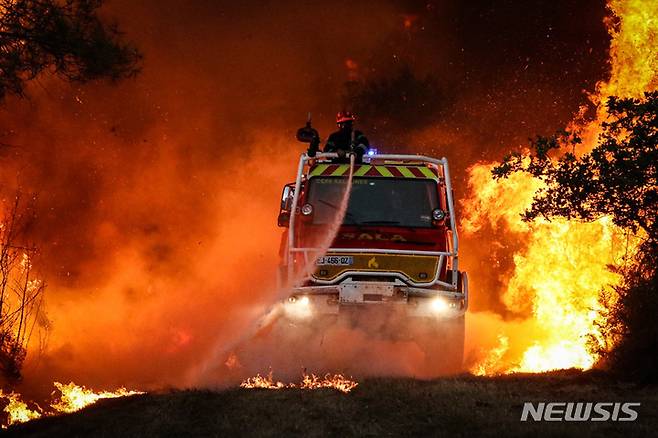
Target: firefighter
(347,139)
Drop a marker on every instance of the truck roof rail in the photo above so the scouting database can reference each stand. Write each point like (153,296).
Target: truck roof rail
(420,159)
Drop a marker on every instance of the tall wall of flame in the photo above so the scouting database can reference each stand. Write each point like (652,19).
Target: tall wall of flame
(560,266)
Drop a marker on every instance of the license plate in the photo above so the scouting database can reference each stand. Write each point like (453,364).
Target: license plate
(335,260)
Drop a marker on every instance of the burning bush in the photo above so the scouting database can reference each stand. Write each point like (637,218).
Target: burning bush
(618,178)
(20,292)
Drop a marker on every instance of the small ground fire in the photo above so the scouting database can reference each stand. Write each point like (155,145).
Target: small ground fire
(309,381)
(71,398)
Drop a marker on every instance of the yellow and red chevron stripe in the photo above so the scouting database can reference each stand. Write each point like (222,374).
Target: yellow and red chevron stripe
(387,171)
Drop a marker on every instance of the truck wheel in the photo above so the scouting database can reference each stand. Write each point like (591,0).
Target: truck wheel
(444,347)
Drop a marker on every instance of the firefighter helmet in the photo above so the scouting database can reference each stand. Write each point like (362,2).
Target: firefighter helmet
(345,116)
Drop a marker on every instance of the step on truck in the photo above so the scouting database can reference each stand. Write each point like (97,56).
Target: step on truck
(394,256)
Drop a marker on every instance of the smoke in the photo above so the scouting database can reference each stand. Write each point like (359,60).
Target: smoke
(156,198)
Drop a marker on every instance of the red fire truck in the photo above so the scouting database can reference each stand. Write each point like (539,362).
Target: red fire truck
(395,251)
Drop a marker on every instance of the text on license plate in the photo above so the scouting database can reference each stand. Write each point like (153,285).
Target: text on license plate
(335,260)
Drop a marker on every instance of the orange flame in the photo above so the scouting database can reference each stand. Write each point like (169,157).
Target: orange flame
(73,398)
(17,410)
(309,381)
(76,397)
(563,268)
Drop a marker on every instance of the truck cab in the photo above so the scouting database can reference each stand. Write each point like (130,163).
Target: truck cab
(389,244)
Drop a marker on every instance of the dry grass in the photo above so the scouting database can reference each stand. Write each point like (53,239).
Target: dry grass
(460,406)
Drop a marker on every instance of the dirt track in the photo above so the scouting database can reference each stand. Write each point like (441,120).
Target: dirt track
(460,406)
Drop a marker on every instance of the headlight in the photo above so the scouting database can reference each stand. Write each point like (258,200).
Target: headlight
(439,305)
(307,209)
(298,307)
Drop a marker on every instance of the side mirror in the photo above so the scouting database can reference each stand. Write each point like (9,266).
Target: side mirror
(286,205)
(287,196)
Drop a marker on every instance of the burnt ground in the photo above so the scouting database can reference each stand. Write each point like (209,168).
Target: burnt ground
(457,406)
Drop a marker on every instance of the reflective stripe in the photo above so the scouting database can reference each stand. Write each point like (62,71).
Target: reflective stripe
(319,169)
(341,170)
(428,173)
(383,171)
(405,172)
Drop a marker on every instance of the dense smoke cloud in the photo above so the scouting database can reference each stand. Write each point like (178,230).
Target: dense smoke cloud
(157,197)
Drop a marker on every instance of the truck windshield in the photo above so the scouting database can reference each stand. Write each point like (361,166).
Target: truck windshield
(375,201)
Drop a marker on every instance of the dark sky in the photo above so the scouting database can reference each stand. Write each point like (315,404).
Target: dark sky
(511,68)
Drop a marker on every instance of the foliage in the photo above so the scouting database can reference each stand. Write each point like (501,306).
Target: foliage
(631,321)
(64,37)
(618,178)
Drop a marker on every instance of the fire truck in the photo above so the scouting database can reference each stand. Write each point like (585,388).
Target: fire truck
(392,251)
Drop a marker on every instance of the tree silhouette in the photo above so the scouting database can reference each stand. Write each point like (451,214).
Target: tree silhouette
(618,178)
(400,102)
(21,293)
(66,38)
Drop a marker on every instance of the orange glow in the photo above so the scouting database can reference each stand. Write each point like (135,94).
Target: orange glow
(558,275)
(352,69)
(409,20)
(490,364)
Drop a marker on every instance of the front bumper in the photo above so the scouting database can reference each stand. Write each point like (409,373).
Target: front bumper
(308,302)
